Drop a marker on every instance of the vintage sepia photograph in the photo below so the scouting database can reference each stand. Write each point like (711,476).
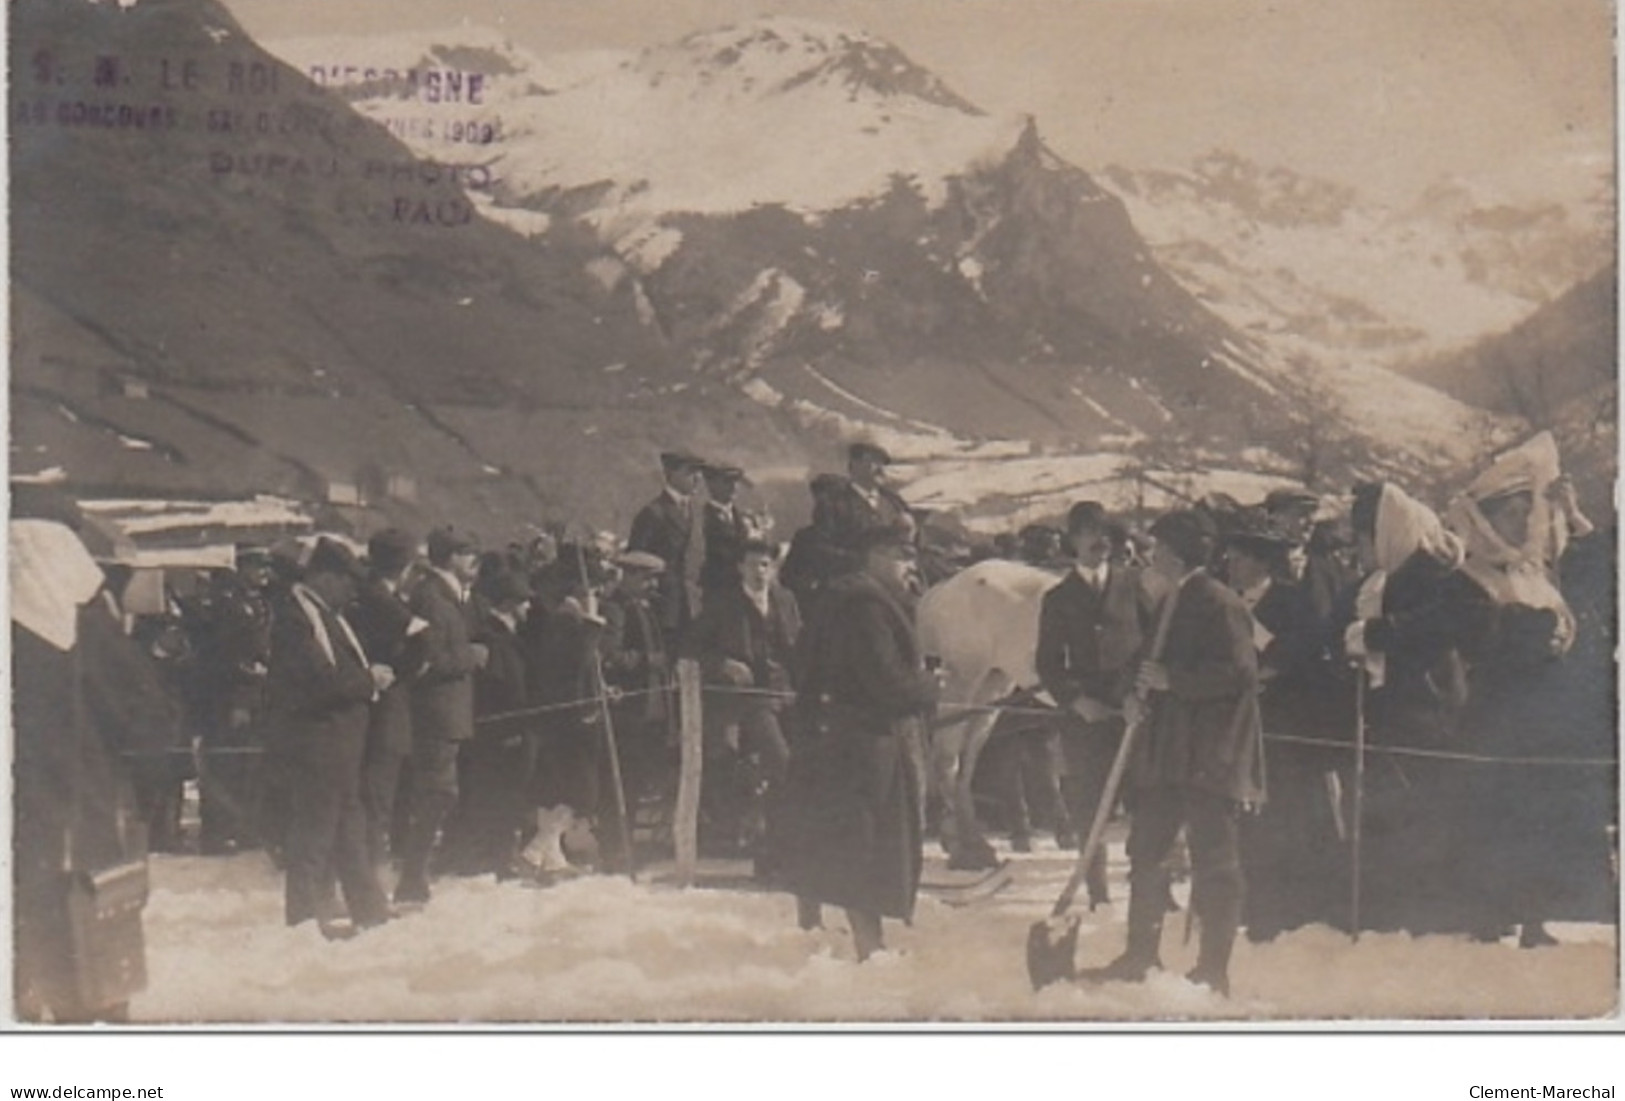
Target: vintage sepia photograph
(999,514)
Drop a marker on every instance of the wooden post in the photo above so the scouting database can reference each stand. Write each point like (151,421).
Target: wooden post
(686,821)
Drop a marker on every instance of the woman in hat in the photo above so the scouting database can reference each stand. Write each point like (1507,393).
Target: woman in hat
(1535,835)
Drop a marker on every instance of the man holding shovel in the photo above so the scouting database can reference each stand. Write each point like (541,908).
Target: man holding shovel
(1197,759)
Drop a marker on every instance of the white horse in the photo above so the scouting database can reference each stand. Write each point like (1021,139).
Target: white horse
(982,624)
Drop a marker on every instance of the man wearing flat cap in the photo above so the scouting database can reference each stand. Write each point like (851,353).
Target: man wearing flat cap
(442,698)
(671,528)
(727,526)
(1198,762)
(861,502)
(322,684)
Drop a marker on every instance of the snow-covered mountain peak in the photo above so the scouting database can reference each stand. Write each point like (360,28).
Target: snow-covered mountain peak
(779,54)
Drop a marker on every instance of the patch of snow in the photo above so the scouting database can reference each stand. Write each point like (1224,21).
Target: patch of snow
(527,223)
(140,516)
(607,270)
(649,246)
(602,949)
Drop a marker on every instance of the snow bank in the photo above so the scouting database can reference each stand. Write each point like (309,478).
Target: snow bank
(606,950)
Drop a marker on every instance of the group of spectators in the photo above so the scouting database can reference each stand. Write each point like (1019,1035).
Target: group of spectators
(429,708)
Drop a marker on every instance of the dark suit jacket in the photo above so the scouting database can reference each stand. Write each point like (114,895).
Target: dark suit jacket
(731,627)
(1089,642)
(1205,731)
(443,692)
(664,528)
(846,515)
(501,685)
(380,618)
(321,696)
(724,543)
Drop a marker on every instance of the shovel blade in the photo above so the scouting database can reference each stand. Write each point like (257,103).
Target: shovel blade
(1051,947)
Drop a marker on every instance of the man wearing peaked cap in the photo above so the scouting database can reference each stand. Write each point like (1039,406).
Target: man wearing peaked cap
(640,560)
(671,527)
(862,502)
(727,527)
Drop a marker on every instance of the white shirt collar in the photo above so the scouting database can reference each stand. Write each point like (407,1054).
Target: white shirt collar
(762,600)
(457,588)
(679,498)
(1095,575)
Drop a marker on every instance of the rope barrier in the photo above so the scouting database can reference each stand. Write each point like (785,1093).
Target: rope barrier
(959,711)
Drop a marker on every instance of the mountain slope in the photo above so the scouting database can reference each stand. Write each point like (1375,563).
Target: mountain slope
(1557,369)
(1286,256)
(802,210)
(285,314)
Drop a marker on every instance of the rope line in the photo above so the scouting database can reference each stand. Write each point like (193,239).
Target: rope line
(959,711)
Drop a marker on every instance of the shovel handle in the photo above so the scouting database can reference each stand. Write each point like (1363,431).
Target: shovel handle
(1114,778)
(1103,814)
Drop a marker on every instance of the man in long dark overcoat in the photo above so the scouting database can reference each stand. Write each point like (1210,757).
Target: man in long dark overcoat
(322,684)
(1199,760)
(853,818)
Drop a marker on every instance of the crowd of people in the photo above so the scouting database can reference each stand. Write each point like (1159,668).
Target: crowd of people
(429,707)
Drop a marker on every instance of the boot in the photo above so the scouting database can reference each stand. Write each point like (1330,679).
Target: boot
(1095,880)
(1220,917)
(430,812)
(1534,935)
(866,935)
(1143,953)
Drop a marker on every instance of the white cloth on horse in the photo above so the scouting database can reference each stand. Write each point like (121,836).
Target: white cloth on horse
(52,574)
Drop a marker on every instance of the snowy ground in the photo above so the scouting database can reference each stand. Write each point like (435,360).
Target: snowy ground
(607,950)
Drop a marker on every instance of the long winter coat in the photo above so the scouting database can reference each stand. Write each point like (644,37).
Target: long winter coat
(853,822)
(1205,731)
